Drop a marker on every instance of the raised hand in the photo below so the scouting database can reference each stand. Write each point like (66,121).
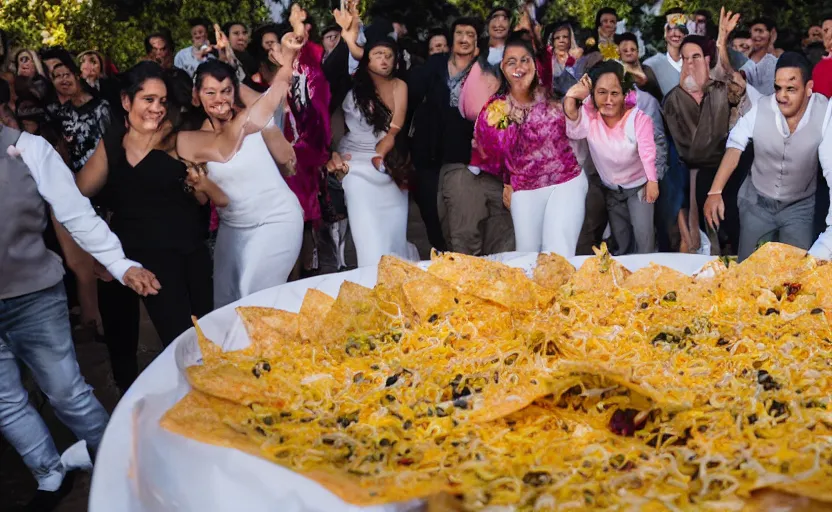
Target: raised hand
(297,17)
(142,281)
(222,39)
(728,22)
(344,19)
(581,90)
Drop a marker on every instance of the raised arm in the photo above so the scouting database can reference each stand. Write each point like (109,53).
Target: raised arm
(347,18)
(727,23)
(203,146)
(93,176)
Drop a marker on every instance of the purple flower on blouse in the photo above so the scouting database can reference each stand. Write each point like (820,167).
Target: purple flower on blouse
(531,155)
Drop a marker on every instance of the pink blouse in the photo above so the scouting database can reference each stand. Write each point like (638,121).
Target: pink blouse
(531,155)
(622,159)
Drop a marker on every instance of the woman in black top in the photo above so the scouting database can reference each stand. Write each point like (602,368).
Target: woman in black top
(155,202)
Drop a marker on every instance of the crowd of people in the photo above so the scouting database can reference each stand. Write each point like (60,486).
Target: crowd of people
(251,157)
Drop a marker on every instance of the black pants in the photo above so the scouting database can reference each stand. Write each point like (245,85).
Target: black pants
(425,195)
(729,229)
(187,289)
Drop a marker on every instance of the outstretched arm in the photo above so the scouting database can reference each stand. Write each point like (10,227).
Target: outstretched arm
(203,146)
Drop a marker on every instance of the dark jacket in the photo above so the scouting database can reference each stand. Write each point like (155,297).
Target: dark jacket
(440,135)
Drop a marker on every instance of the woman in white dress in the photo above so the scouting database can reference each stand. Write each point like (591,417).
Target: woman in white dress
(261,228)
(376,197)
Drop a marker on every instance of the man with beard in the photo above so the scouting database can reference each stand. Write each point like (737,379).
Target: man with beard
(463,209)
(779,195)
(699,114)
(759,70)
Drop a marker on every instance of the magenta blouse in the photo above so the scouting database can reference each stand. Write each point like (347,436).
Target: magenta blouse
(307,127)
(529,156)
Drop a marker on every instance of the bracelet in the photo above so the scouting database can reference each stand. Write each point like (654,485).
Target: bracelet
(715,193)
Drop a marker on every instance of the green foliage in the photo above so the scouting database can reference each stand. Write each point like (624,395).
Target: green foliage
(80,25)
(93,24)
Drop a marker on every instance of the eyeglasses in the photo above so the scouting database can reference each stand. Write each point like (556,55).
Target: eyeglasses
(62,76)
(23,59)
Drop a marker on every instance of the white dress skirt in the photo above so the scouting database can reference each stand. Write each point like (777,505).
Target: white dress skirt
(261,229)
(376,207)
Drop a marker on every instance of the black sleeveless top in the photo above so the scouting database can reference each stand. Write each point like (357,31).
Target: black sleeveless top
(149,204)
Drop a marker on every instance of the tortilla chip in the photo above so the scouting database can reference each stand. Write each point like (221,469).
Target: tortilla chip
(269,329)
(490,280)
(601,274)
(356,311)
(552,271)
(771,265)
(209,349)
(316,304)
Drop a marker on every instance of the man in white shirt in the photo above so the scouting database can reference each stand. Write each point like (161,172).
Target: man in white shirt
(34,319)
(188,59)
(788,128)
(760,67)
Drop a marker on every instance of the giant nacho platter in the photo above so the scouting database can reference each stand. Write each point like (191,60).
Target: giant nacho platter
(473,385)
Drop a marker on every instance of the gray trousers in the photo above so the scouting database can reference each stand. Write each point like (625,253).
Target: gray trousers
(474,219)
(631,220)
(792,223)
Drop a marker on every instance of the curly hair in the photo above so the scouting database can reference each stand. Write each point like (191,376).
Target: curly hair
(369,103)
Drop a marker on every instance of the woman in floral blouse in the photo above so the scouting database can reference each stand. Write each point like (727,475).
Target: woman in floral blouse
(520,136)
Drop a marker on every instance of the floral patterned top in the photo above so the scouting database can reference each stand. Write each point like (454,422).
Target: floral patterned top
(529,155)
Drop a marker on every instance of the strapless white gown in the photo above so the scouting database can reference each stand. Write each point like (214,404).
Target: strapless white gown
(376,207)
(261,229)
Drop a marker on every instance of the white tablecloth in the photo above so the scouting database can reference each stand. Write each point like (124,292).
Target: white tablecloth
(143,468)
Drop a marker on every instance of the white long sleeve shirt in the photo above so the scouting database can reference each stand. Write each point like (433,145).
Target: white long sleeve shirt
(822,248)
(56,185)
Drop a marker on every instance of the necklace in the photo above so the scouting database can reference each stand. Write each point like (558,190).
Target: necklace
(519,111)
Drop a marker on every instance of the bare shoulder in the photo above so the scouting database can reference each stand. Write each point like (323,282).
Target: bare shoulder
(399,85)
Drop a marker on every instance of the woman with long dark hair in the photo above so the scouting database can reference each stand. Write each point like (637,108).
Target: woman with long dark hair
(374,111)
(155,200)
(521,137)
(261,228)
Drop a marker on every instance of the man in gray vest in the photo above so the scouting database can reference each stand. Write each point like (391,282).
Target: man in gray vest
(34,320)
(788,127)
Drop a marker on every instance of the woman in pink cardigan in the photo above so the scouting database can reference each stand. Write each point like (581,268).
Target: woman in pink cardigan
(620,139)
(520,136)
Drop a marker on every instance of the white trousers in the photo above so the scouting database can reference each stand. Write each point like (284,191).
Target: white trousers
(247,260)
(377,210)
(549,219)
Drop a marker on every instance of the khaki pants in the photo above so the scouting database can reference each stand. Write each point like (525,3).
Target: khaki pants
(474,219)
